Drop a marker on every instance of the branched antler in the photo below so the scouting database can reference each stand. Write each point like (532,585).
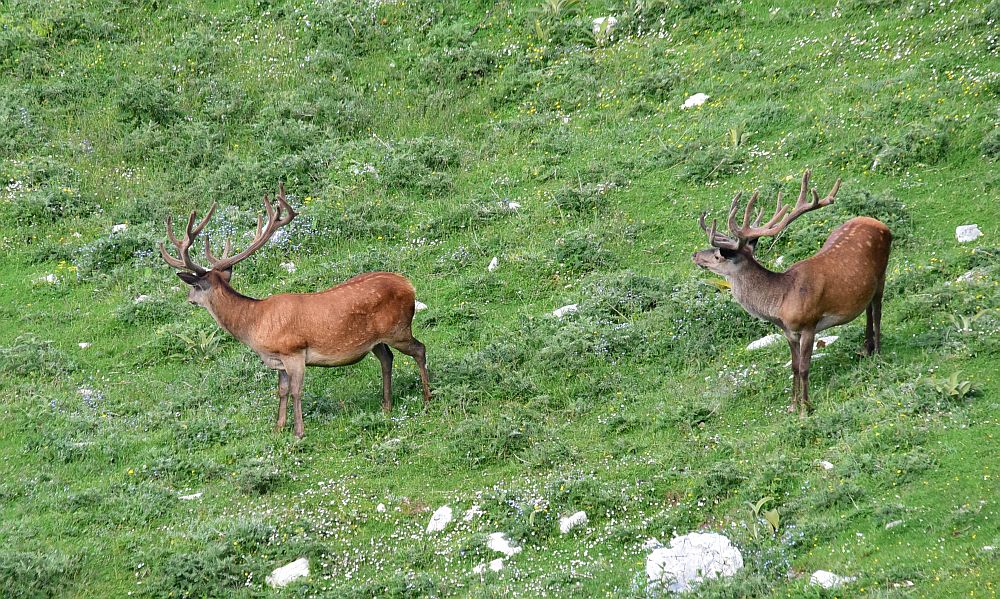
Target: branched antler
(747,231)
(184,246)
(276,218)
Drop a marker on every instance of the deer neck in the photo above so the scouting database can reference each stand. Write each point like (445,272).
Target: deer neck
(759,290)
(233,311)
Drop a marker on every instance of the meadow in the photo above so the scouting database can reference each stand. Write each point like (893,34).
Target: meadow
(429,138)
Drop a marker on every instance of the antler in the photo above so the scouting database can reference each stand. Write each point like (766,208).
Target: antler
(782,217)
(184,246)
(276,218)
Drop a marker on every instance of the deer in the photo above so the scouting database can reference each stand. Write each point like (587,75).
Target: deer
(371,312)
(834,286)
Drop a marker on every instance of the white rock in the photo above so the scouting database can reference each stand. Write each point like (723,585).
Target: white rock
(695,100)
(692,558)
(779,260)
(560,312)
(494,263)
(829,580)
(568,523)
(380,508)
(825,465)
(494,566)
(289,266)
(651,544)
(49,278)
(472,512)
(814,357)
(893,524)
(119,228)
(84,344)
(419,305)
(967,233)
(987,548)
(498,542)
(513,205)
(286,574)
(765,341)
(191,496)
(141,298)
(440,519)
(603,26)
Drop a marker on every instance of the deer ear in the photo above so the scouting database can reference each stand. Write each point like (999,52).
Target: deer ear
(190,278)
(226,274)
(752,244)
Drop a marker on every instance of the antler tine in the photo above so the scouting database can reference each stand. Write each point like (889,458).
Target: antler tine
(716,239)
(184,260)
(275,220)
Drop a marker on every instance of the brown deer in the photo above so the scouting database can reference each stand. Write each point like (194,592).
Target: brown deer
(337,327)
(846,277)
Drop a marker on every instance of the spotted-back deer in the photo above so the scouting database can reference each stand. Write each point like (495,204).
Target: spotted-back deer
(337,327)
(846,277)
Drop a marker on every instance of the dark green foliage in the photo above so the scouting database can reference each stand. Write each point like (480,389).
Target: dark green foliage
(581,251)
(147,100)
(990,146)
(30,355)
(104,254)
(36,574)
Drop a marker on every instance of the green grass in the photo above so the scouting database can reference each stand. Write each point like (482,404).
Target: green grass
(402,131)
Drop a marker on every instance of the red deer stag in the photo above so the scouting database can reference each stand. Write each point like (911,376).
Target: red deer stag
(843,279)
(337,327)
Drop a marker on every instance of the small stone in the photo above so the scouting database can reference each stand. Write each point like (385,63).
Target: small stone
(472,512)
(829,580)
(692,558)
(825,341)
(498,542)
(380,508)
(513,205)
(284,575)
(418,306)
(440,519)
(987,548)
(695,100)
(568,309)
(765,341)
(49,278)
(893,524)
(494,264)
(191,497)
(825,465)
(570,522)
(84,344)
(967,233)
(120,228)
(289,266)
(603,26)
(141,298)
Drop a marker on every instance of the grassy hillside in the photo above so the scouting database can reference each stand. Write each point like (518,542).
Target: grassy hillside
(406,134)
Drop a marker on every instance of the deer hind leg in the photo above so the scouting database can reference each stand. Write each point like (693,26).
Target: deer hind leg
(873,324)
(295,366)
(793,343)
(805,358)
(284,384)
(418,352)
(384,355)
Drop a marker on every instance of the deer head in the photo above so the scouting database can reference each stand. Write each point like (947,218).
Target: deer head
(729,255)
(202,279)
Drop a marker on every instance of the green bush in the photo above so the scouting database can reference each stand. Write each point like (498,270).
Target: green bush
(31,355)
(37,574)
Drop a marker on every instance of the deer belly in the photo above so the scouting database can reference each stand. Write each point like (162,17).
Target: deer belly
(342,358)
(832,320)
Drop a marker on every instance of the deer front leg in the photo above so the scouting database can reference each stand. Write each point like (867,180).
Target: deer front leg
(295,367)
(283,387)
(805,358)
(793,344)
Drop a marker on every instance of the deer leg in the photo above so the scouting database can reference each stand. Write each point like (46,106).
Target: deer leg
(283,386)
(793,343)
(869,329)
(416,349)
(877,315)
(384,355)
(295,366)
(805,358)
